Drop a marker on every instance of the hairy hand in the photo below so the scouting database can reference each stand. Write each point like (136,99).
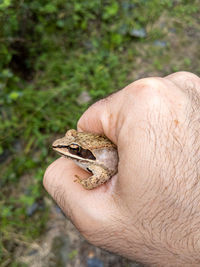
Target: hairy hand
(150,210)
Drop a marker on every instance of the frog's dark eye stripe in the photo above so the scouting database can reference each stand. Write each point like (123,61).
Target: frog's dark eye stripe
(78,151)
(87,154)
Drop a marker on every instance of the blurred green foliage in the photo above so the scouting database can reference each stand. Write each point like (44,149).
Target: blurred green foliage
(50,52)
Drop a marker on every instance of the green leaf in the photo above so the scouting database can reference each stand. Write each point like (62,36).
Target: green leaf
(49,8)
(110,11)
(6,211)
(14,95)
(5,4)
(116,39)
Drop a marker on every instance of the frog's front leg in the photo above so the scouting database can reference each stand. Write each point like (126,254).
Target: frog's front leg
(99,177)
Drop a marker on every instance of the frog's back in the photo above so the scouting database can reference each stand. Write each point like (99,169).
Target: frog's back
(93,141)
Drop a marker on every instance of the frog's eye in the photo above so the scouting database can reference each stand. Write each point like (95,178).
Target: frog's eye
(74,149)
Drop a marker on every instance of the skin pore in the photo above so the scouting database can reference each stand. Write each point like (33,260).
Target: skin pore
(150,210)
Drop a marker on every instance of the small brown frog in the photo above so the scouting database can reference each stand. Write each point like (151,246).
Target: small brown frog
(93,152)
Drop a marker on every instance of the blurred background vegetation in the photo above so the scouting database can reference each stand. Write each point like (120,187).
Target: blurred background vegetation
(56,58)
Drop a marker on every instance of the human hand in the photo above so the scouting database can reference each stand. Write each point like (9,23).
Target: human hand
(150,210)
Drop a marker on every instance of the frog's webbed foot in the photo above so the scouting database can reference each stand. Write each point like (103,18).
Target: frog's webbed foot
(88,183)
(94,180)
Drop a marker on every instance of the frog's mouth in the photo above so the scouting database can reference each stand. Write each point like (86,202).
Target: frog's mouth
(74,150)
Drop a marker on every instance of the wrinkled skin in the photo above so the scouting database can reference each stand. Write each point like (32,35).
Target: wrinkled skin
(150,210)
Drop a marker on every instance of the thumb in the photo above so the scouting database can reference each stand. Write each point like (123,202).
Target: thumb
(88,210)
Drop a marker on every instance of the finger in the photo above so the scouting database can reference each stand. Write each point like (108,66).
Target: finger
(102,117)
(87,209)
